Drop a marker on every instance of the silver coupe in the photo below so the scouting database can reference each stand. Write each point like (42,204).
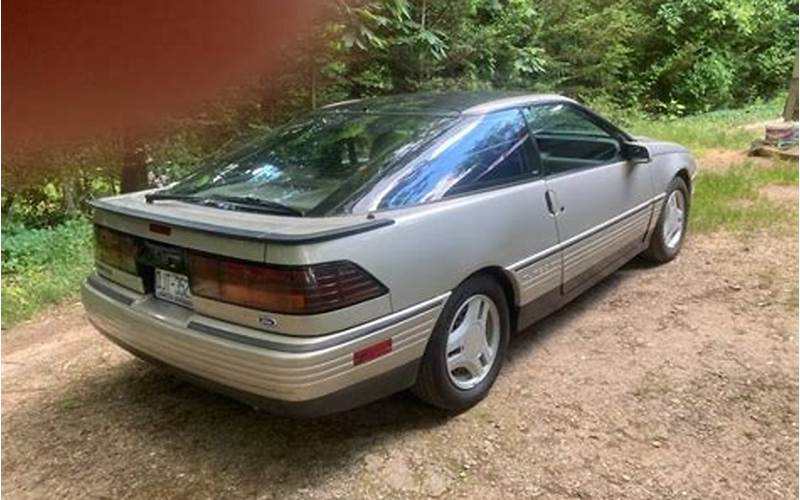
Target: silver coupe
(381,244)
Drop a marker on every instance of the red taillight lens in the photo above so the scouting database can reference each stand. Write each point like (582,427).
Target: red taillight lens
(310,289)
(115,249)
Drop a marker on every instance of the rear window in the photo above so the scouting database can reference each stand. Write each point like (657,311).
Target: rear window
(317,163)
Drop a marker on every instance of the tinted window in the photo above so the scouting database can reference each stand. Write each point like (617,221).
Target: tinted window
(320,160)
(568,139)
(481,152)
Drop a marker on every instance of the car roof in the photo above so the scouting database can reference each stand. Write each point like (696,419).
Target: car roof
(445,103)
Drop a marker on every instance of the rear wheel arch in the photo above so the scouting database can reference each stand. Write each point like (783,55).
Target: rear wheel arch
(510,289)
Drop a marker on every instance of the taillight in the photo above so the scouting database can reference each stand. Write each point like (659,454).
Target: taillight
(115,249)
(308,289)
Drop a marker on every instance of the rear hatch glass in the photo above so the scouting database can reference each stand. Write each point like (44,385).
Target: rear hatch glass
(314,166)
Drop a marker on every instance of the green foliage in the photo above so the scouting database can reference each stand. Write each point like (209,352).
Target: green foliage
(730,199)
(709,54)
(663,56)
(46,187)
(43,266)
(593,49)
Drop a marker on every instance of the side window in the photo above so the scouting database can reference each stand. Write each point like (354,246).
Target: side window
(485,151)
(569,140)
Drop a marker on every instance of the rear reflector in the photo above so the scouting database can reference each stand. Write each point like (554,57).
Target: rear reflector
(371,352)
(310,289)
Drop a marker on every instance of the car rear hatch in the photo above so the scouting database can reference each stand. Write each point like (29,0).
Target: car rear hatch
(217,262)
(236,234)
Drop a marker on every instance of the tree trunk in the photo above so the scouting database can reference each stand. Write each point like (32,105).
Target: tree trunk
(268,93)
(134,165)
(313,84)
(8,204)
(422,55)
(68,190)
(790,110)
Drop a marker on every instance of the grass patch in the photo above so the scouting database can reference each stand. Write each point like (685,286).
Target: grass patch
(730,199)
(43,266)
(714,130)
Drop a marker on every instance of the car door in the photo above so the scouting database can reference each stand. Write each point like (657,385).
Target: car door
(600,201)
(490,164)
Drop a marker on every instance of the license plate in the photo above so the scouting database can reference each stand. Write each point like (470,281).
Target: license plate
(173,287)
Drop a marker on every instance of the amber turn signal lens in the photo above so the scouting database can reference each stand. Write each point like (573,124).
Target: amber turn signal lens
(311,289)
(115,249)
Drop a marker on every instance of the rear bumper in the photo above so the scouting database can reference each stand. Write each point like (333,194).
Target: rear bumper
(296,375)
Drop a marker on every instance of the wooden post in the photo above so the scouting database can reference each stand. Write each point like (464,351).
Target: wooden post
(790,110)
(313,83)
(134,164)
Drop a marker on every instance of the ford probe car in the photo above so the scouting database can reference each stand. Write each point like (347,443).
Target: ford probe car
(382,244)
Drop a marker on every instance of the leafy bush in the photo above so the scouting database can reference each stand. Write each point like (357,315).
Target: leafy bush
(663,56)
(709,54)
(43,266)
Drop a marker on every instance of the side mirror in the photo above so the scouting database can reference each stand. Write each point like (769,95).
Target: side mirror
(635,152)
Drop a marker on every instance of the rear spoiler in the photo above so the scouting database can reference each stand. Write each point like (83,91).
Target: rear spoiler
(244,234)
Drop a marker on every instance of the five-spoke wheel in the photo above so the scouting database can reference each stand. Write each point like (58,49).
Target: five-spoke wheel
(466,349)
(473,341)
(675,210)
(670,231)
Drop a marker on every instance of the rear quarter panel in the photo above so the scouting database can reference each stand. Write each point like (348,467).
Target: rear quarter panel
(432,248)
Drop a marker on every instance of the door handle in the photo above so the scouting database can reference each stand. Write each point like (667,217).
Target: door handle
(552,202)
(549,201)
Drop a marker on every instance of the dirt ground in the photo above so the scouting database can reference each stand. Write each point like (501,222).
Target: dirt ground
(677,381)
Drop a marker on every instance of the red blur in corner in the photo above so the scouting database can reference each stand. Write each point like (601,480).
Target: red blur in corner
(72,69)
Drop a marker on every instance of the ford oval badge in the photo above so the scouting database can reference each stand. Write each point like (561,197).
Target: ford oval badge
(267,321)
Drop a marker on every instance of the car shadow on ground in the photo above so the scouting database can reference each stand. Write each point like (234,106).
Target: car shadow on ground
(133,408)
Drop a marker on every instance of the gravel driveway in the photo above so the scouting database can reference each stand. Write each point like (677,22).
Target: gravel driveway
(662,382)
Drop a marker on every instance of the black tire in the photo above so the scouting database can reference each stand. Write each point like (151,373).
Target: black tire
(659,251)
(434,384)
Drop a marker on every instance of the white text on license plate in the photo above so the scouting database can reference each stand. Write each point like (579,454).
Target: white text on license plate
(173,287)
